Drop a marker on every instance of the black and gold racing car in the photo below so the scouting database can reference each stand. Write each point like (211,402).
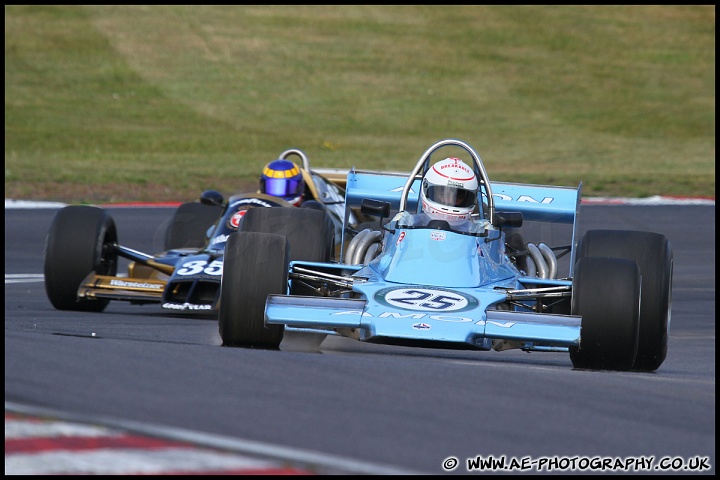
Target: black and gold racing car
(82,249)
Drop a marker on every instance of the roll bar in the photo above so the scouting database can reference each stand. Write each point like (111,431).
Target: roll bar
(479,170)
(299,153)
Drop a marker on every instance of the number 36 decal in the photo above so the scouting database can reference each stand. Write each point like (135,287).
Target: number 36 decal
(201,266)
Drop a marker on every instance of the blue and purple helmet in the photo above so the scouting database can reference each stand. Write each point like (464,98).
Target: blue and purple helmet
(282,178)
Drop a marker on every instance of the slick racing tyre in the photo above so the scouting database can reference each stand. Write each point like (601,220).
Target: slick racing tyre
(515,242)
(189,225)
(653,254)
(606,293)
(255,265)
(310,232)
(313,204)
(80,240)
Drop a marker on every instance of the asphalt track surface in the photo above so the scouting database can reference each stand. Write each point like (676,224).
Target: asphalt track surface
(351,407)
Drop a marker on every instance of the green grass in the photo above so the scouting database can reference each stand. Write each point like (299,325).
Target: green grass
(137,103)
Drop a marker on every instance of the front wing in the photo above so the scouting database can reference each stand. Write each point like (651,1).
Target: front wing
(193,294)
(136,290)
(359,319)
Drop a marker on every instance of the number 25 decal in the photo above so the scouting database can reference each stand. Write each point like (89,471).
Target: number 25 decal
(426,299)
(419,298)
(201,266)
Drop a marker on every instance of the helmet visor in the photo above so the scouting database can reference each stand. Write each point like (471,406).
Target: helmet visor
(283,187)
(450,196)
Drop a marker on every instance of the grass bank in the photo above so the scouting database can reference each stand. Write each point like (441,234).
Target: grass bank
(157,103)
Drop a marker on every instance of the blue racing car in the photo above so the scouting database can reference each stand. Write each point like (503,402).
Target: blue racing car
(468,278)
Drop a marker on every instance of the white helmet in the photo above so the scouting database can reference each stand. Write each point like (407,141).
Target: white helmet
(449,190)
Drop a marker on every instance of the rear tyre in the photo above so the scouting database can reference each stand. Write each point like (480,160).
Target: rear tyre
(80,240)
(654,256)
(189,225)
(313,204)
(310,232)
(255,265)
(515,242)
(606,293)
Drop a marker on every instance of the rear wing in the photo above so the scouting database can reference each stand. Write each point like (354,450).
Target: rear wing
(540,203)
(536,202)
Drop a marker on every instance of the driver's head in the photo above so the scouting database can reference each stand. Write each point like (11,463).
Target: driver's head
(449,190)
(282,178)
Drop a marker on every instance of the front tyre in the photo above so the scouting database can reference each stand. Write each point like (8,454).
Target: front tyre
(188,227)
(255,265)
(606,293)
(654,256)
(81,240)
